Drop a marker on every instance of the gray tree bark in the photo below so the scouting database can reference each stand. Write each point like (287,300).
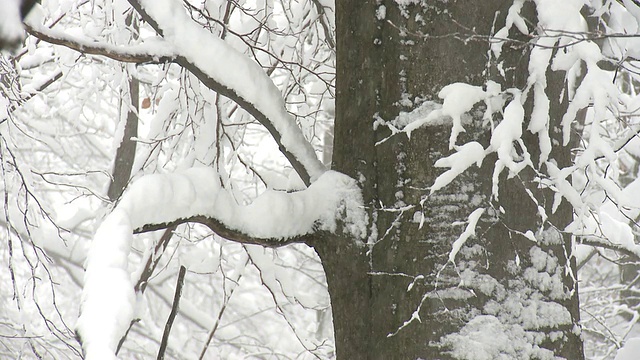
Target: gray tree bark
(375,289)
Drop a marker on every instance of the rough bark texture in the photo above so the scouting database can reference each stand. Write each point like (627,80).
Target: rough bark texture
(380,72)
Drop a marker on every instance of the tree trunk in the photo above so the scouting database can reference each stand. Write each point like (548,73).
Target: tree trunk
(517,295)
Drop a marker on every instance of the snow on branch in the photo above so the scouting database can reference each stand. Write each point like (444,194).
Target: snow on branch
(108,298)
(273,215)
(457,163)
(469,231)
(232,74)
(108,295)
(610,227)
(148,52)
(589,86)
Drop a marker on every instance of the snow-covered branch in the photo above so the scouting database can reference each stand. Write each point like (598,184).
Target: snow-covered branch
(158,52)
(218,65)
(108,295)
(166,198)
(230,73)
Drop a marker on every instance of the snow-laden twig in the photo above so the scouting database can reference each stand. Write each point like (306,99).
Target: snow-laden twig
(157,51)
(469,231)
(458,162)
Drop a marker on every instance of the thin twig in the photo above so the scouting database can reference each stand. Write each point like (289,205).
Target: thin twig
(174,312)
(150,266)
(220,313)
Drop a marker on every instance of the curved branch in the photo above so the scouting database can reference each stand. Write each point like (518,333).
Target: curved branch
(217,65)
(232,74)
(230,234)
(161,200)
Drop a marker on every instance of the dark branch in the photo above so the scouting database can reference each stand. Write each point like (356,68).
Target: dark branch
(174,312)
(126,152)
(150,266)
(605,244)
(231,234)
(123,54)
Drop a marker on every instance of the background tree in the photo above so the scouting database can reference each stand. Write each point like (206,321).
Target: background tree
(469,262)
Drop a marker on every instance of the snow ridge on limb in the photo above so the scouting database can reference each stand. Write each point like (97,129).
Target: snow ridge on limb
(272,215)
(108,298)
(147,52)
(232,74)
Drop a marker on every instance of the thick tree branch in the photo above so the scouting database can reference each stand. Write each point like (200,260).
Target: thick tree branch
(301,155)
(274,218)
(230,234)
(126,152)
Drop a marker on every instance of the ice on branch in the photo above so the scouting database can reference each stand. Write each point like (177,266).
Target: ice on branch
(108,298)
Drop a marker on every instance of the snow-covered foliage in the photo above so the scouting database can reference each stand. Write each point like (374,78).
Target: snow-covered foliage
(62,118)
(61,122)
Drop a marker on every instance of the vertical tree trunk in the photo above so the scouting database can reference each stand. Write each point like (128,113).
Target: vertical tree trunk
(502,283)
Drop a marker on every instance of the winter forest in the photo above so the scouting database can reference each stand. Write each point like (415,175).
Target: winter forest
(310,179)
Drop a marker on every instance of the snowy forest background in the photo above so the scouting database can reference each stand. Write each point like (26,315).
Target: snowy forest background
(90,103)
